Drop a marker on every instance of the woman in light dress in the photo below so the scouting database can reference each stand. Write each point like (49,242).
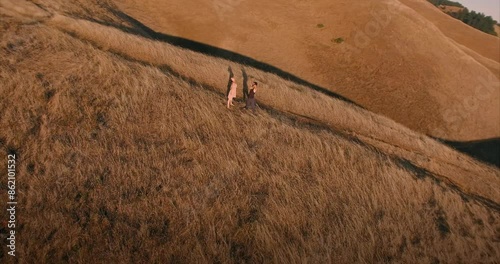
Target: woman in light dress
(232,93)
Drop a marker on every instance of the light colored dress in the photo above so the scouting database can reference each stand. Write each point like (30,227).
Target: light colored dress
(232,91)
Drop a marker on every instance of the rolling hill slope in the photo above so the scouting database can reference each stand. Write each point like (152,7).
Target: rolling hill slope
(403,59)
(126,153)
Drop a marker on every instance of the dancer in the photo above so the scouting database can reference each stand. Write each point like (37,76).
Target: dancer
(251,97)
(232,93)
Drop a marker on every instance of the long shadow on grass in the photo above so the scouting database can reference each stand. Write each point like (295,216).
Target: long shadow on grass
(224,54)
(229,82)
(245,83)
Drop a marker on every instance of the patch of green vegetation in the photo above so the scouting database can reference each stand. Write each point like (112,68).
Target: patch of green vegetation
(338,40)
(320,25)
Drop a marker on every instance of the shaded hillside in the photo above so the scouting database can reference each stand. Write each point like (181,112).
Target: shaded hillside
(411,78)
(485,150)
(127,154)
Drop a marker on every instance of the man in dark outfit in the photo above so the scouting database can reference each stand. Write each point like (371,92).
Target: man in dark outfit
(251,97)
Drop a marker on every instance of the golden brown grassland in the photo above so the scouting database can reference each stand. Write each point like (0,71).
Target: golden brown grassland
(403,59)
(127,154)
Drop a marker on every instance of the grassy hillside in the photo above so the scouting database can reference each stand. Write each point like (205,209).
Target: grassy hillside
(481,47)
(126,153)
(403,59)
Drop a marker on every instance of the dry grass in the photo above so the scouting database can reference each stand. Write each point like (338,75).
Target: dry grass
(292,98)
(415,65)
(127,154)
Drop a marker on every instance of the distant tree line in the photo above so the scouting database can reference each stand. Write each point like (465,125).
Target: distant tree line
(445,2)
(476,20)
(471,18)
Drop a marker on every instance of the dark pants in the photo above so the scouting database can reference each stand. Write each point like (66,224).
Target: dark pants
(250,103)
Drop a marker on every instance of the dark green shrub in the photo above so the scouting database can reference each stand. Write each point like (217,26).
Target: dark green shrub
(338,40)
